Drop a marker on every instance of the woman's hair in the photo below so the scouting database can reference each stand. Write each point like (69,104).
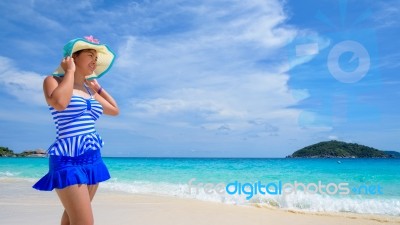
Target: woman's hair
(77,53)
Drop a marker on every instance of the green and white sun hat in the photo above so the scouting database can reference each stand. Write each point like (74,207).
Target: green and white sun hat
(105,57)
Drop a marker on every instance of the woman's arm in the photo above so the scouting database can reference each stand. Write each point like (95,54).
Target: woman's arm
(58,94)
(110,106)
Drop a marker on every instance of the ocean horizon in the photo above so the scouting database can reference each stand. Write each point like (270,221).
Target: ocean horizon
(364,186)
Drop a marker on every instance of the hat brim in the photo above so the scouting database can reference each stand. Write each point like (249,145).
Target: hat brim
(105,57)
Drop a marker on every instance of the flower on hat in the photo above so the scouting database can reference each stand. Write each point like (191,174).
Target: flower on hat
(92,39)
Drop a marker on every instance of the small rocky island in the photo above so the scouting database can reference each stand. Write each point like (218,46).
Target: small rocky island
(339,149)
(6,152)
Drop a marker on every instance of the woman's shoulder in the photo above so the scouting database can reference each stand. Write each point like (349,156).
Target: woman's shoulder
(52,79)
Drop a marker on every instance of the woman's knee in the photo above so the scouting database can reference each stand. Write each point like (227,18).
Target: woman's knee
(65,218)
(83,221)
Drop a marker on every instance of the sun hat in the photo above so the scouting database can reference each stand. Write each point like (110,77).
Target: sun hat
(105,57)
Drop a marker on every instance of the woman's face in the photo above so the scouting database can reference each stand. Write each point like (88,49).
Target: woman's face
(85,61)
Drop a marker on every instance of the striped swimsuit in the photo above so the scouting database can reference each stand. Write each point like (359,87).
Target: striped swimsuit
(74,158)
(76,133)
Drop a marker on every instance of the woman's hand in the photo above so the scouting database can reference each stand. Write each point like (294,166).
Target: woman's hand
(110,106)
(68,64)
(94,85)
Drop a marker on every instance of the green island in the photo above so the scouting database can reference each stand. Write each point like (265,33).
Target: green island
(340,149)
(6,152)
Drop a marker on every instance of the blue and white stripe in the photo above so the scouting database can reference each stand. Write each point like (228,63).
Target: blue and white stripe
(75,126)
(76,145)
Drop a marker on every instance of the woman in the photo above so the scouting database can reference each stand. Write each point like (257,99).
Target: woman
(76,100)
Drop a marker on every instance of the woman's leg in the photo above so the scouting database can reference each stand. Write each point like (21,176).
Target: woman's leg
(65,218)
(92,191)
(76,201)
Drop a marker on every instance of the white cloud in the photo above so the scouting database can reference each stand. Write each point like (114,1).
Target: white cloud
(27,14)
(333,137)
(213,75)
(24,85)
(386,14)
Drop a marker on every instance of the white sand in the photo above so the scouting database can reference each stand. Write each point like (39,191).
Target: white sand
(20,204)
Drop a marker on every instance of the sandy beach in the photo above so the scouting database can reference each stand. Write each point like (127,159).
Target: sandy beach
(20,204)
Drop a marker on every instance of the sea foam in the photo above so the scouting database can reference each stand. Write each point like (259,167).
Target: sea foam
(294,201)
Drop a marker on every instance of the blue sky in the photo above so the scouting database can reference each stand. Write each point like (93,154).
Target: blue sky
(211,78)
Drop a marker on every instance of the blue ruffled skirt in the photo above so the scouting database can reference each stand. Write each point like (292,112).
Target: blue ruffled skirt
(65,171)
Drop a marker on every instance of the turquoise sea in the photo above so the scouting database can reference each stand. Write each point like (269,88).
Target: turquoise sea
(366,186)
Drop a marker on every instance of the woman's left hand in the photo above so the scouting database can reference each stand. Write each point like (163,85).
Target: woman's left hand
(93,84)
